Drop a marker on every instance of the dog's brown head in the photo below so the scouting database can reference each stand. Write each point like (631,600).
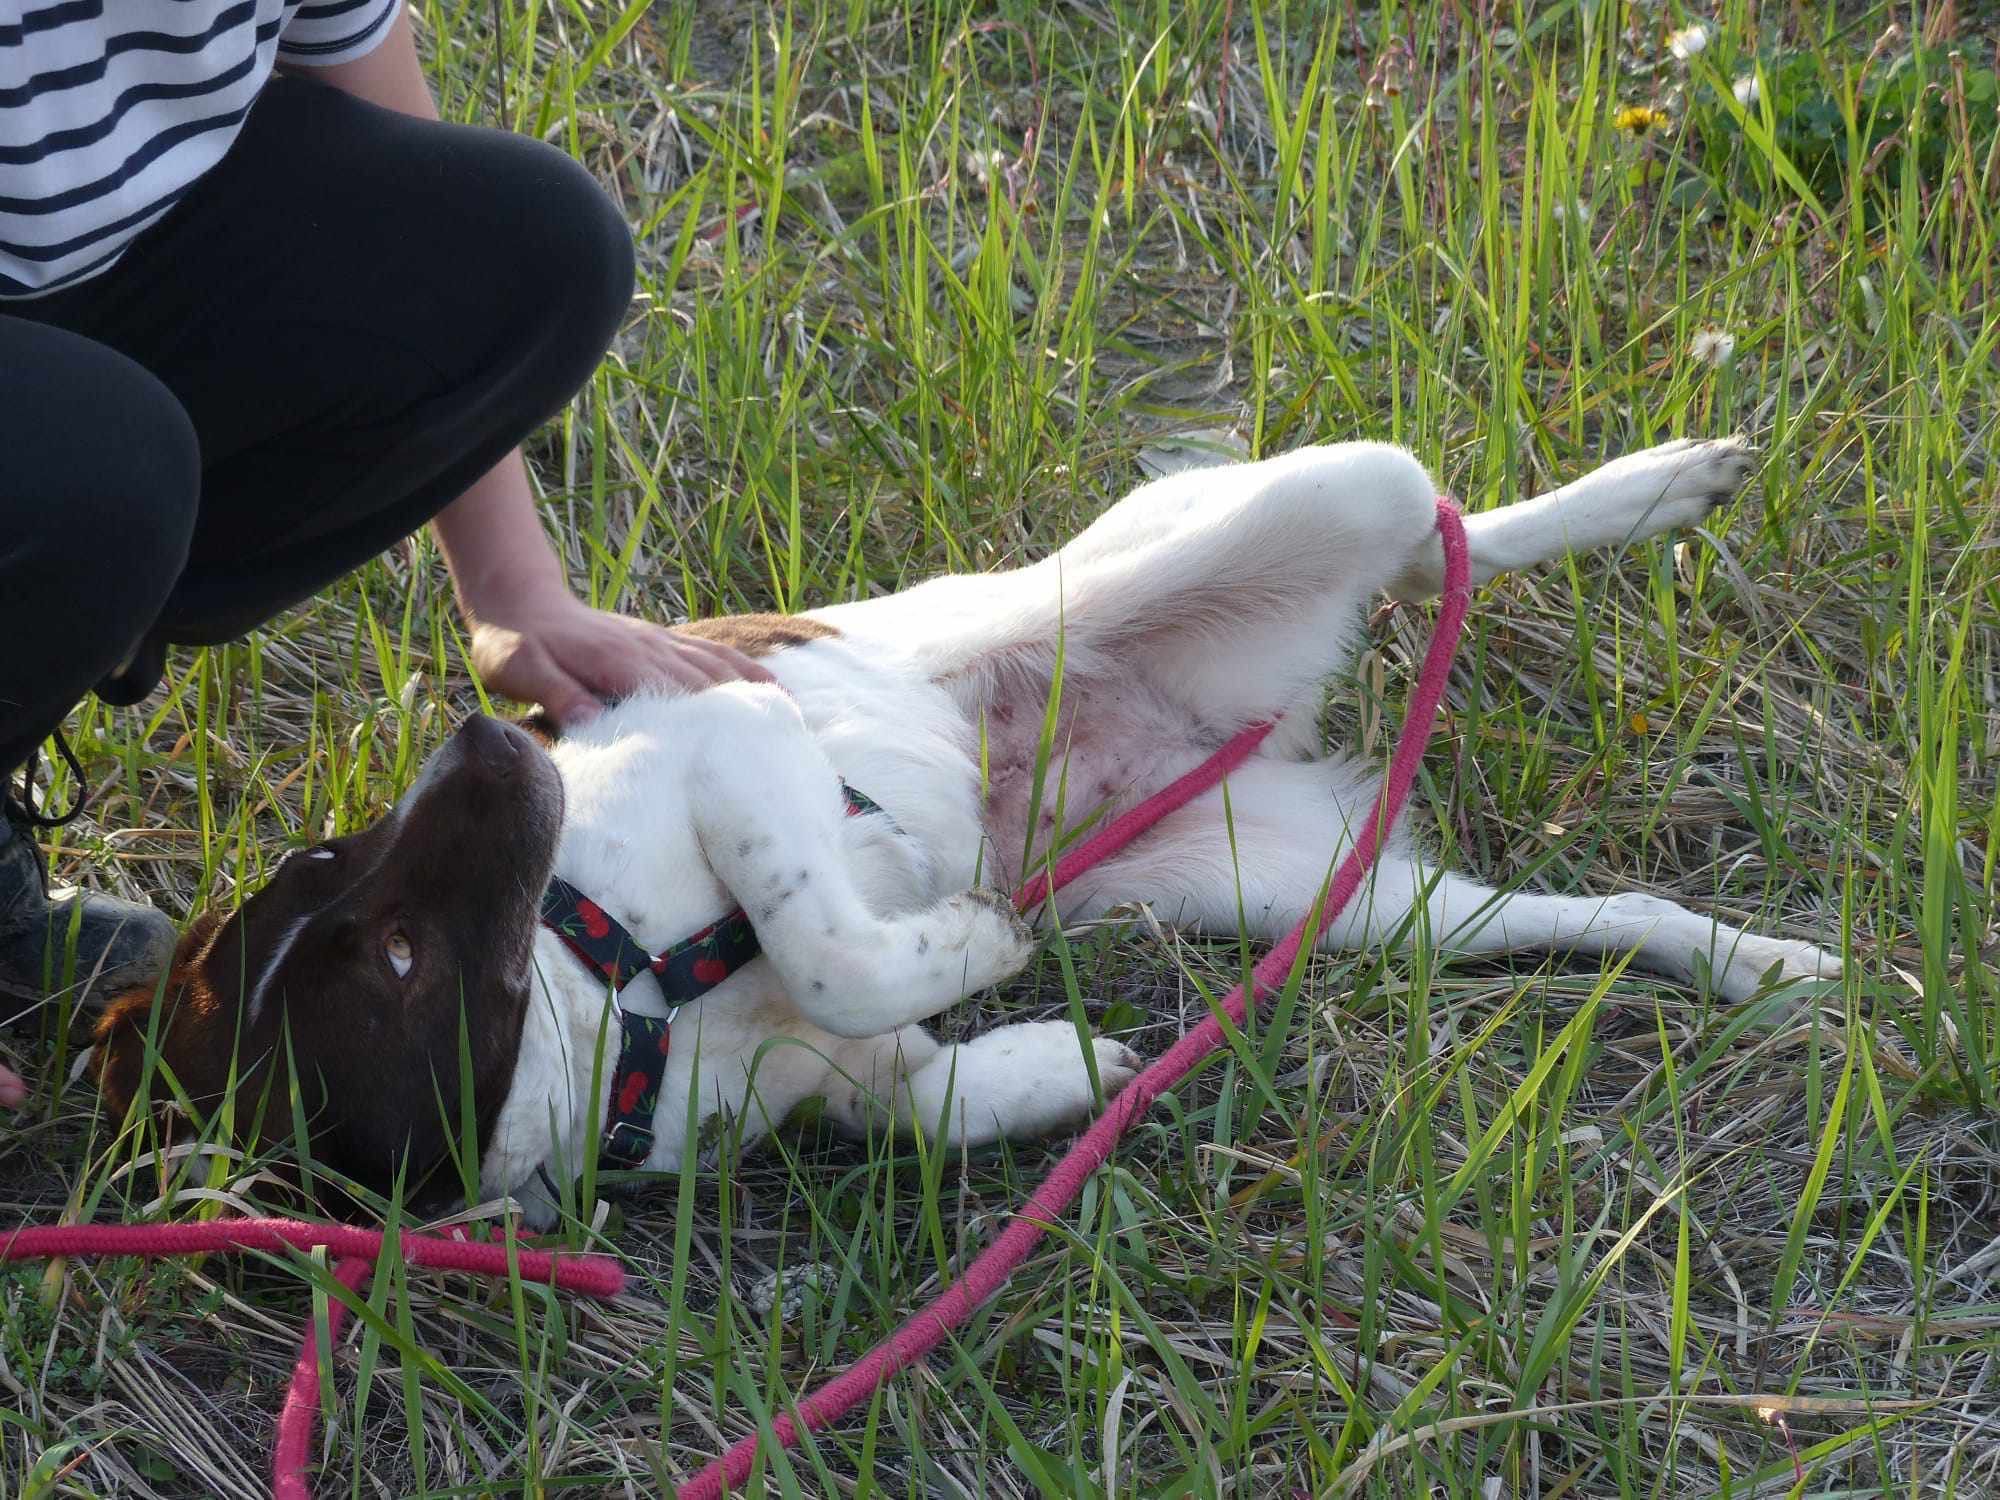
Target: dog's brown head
(356,962)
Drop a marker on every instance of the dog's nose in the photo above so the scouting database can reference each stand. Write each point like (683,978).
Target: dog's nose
(490,744)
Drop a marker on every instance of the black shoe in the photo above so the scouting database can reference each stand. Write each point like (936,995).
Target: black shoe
(74,941)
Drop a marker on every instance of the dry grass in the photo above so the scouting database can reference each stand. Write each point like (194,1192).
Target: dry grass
(921,290)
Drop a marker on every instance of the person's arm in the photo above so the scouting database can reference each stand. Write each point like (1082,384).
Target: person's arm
(532,639)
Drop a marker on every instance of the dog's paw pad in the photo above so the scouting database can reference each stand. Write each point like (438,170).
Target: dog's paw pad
(1117,1065)
(1715,469)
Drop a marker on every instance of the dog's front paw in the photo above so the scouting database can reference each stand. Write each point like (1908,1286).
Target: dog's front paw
(1034,1078)
(1117,1065)
(994,939)
(541,1211)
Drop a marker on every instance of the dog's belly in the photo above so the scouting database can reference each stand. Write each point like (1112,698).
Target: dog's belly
(1110,748)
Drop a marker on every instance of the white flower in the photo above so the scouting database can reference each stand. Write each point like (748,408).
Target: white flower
(1712,347)
(1688,41)
(983,166)
(1745,90)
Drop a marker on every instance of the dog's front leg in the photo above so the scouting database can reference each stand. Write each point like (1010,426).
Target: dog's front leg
(769,814)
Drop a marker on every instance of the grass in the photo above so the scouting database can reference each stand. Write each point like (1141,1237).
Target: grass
(927,287)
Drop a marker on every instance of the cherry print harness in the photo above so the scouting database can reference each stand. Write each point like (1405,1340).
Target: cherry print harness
(686,971)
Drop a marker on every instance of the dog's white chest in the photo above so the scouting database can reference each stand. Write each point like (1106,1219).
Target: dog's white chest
(629,829)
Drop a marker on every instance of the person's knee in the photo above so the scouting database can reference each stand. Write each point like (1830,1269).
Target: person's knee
(596,254)
(573,257)
(99,490)
(108,460)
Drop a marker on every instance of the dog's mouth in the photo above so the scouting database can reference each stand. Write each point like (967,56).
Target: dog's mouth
(492,751)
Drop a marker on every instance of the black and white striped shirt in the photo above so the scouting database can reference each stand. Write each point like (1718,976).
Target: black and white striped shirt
(111,109)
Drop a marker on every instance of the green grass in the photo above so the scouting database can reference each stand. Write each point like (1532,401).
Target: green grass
(919,288)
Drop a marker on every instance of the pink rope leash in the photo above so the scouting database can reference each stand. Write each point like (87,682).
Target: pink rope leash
(297,1418)
(595,1275)
(357,1249)
(1128,825)
(924,1330)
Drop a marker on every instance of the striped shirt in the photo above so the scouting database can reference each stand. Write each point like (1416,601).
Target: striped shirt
(110,110)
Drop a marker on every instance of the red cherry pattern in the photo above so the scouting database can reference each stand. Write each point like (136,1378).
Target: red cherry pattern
(631,1092)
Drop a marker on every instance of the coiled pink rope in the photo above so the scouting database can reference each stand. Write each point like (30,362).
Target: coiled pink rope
(596,1275)
(926,1329)
(600,1276)
(357,1249)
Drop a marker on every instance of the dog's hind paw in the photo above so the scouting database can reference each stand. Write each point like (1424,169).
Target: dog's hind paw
(1754,961)
(1679,483)
(1714,471)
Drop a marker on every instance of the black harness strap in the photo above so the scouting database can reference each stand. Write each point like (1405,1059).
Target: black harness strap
(686,971)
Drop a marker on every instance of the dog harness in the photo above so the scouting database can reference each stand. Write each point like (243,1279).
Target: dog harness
(686,971)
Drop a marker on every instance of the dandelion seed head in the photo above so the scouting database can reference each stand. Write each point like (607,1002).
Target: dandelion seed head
(1745,90)
(1688,41)
(1712,347)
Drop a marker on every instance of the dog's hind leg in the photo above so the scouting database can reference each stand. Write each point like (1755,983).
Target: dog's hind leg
(1627,500)
(1012,1083)
(1288,823)
(1247,594)
(1461,916)
(1232,590)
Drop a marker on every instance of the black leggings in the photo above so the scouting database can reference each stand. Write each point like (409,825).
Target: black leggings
(343,326)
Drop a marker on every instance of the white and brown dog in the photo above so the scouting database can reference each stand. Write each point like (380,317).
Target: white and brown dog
(822,940)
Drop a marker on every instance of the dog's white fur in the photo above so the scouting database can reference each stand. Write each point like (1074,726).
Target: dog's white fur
(1201,603)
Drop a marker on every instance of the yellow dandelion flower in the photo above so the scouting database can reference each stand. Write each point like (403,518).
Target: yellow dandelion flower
(1639,118)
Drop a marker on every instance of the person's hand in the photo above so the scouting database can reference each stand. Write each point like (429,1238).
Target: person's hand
(532,639)
(13,1092)
(557,651)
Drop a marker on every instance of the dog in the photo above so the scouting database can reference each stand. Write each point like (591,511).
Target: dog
(772,888)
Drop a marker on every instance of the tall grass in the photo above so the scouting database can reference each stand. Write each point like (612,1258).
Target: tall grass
(926,287)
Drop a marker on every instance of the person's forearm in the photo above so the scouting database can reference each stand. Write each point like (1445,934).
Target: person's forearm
(494,543)
(532,639)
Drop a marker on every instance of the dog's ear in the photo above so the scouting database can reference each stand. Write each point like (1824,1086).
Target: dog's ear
(190,1032)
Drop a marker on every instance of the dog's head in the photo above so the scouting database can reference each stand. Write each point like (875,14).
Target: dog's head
(358,968)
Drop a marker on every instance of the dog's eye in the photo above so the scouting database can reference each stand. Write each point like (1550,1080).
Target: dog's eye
(396,948)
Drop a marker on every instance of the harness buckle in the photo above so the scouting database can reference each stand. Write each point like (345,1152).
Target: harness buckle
(626,1145)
